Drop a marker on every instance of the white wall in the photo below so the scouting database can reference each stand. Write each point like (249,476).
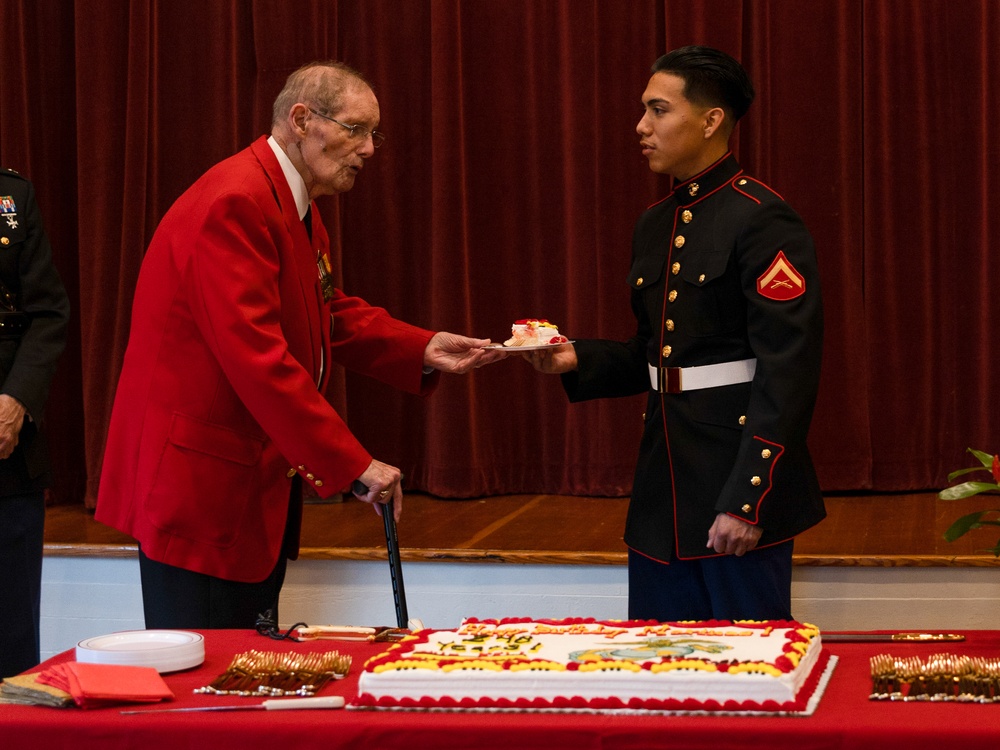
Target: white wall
(88,596)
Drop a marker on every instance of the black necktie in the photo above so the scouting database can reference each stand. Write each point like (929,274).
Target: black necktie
(307,220)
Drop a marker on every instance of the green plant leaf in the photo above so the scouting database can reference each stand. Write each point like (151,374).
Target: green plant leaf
(985,458)
(967,489)
(964,525)
(955,474)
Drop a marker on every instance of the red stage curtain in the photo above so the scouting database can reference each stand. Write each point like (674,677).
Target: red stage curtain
(930,102)
(508,188)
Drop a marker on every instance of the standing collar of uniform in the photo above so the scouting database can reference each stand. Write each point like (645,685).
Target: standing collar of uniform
(708,181)
(295,182)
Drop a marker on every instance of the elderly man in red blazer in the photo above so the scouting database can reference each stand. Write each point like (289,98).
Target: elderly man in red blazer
(219,414)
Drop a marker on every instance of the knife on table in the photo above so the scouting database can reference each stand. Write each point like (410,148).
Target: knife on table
(276,704)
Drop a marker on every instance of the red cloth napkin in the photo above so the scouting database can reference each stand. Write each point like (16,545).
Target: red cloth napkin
(96,685)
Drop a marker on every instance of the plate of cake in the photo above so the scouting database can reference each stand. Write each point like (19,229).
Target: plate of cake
(529,334)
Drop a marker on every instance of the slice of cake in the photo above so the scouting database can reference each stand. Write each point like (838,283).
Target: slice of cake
(592,665)
(534,332)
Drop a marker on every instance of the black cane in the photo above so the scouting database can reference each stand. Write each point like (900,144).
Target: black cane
(395,565)
(392,547)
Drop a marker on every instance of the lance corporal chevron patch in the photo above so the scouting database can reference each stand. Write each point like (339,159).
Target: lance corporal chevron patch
(781,282)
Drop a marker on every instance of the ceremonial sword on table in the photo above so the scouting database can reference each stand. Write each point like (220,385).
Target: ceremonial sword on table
(896,637)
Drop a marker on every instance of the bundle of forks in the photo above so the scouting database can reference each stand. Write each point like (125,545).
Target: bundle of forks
(940,677)
(271,674)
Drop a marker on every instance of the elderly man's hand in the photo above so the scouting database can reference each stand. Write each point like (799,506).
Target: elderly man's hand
(450,352)
(11,418)
(731,536)
(384,483)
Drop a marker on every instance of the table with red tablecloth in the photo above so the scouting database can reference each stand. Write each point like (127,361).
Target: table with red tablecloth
(845,717)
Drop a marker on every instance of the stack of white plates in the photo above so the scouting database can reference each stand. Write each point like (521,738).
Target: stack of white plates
(164,650)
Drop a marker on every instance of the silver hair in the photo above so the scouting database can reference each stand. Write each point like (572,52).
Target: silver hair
(319,83)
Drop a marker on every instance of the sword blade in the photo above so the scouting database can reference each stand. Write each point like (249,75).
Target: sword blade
(896,637)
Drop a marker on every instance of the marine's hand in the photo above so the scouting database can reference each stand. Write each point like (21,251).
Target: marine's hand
(731,536)
(384,483)
(450,352)
(554,361)
(11,418)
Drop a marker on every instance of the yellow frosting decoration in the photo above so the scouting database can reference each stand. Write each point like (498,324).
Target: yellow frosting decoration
(465,656)
(704,666)
(578,629)
(486,629)
(473,664)
(551,666)
(393,666)
(756,666)
(610,664)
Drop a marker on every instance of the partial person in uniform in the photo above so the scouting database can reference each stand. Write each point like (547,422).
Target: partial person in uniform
(725,291)
(34,314)
(219,416)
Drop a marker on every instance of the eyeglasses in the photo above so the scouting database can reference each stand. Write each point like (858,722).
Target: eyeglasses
(357,131)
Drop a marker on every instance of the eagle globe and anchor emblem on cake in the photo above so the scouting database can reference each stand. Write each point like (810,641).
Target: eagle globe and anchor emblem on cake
(649,649)
(485,648)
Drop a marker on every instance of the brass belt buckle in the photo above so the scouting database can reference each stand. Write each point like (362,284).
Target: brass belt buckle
(670,380)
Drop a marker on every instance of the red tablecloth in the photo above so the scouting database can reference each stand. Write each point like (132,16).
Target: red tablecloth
(845,717)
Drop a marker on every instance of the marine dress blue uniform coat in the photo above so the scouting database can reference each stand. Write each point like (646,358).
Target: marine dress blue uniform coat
(723,270)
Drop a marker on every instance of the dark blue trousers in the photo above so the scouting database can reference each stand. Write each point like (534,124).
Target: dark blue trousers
(756,586)
(174,598)
(22,541)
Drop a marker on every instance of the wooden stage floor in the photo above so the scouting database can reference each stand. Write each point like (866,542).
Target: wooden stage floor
(862,530)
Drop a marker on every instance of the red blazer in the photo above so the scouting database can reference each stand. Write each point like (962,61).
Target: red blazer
(219,401)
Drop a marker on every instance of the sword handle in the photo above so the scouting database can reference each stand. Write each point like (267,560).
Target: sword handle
(325,701)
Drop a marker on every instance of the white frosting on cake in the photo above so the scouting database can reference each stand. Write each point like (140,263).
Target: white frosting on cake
(532,332)
(602,664)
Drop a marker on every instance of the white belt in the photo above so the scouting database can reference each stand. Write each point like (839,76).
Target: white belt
(677,379)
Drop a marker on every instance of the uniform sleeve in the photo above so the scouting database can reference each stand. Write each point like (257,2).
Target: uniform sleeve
(607,369)
(780,281)
(43,299)
(369,340)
